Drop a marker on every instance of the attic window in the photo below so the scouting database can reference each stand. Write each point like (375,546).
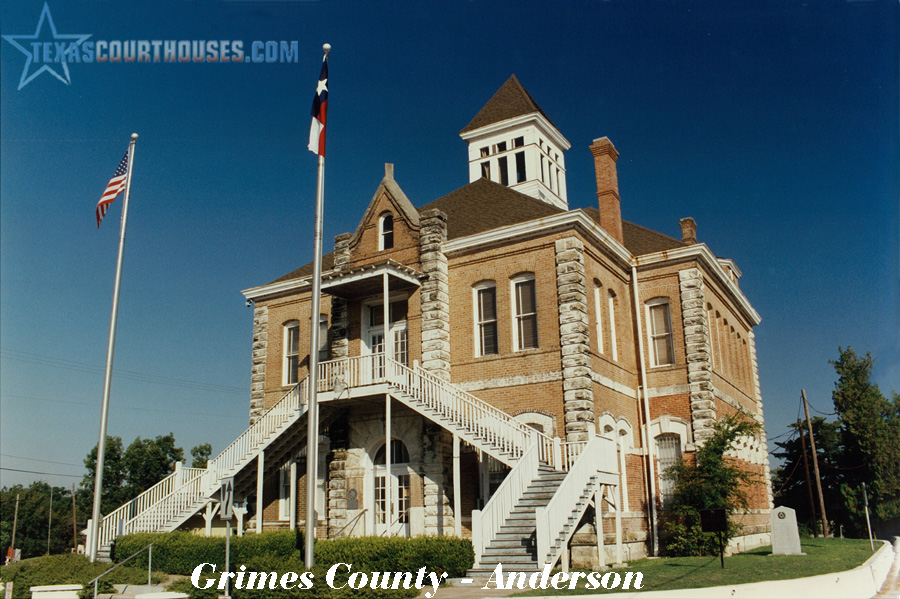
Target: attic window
(518,142)
(485,152)
(386,233)
(501,147)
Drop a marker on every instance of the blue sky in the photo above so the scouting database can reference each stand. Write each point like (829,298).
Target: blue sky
(773,124)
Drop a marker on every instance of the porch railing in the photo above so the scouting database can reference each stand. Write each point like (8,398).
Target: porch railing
(171,498)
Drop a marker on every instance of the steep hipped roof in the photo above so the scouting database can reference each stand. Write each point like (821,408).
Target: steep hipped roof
(510,101)
(484,205)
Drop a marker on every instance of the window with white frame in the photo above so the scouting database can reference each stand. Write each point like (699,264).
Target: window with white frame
(284,492)
(662,349)
(386,232)
(291,352)
(525,330)
(323,337)
(598,314)
(668,453)
(611,311)
(485,295)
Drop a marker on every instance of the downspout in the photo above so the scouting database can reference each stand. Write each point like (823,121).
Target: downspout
(642,389)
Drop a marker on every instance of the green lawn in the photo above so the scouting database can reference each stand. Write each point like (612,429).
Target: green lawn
(822,556)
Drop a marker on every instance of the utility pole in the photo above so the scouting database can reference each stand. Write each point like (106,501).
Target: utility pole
(15,521)
(812,503)
(49,520)
(74,523)
(812,442)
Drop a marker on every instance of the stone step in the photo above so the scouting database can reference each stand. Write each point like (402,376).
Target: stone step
(522,530)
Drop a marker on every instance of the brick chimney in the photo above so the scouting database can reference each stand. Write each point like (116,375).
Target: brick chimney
(605,156)
(688,230)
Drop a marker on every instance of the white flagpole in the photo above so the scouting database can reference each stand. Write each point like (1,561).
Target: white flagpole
(312,414)
(107,383)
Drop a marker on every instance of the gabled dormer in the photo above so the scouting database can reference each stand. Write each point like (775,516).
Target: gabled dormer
(512,142)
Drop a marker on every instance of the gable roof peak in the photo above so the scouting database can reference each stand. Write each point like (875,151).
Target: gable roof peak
(510,101)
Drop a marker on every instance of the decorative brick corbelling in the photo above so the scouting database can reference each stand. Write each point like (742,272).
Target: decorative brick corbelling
(435,294)
(258,366)
(697,352)
(578,394)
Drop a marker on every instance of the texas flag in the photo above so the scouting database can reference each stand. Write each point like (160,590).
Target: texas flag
(319,108)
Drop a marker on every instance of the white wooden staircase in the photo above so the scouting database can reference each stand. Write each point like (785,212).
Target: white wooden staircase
(532,514)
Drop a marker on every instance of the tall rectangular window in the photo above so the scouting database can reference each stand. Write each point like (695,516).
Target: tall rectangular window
(504,171)
(486,319)
(486,170)
(611,301)
(598,309)
(520,167)
(291,352)
(662,351)
(668,453)
(323,337)
(386,237)
(525,302)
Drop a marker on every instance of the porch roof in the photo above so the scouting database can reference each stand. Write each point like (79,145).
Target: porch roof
(364,281)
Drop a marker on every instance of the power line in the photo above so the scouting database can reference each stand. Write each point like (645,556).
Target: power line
(120,373)
(46,473)
(81,403)
(19,457)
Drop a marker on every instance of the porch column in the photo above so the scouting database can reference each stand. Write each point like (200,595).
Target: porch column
(293,499)
(387,463)
(387,404)
(457,491)
(260,470)
(598,525)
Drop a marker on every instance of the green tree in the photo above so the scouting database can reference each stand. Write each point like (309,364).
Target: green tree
(114,478)
(789,480)
(870,431)
(128,473)
(201,454)
(33,522)
(148,461)
(710,481)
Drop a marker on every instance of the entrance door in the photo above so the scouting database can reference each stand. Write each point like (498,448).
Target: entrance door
(399,481)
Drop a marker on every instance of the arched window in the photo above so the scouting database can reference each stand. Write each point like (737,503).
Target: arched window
(291,352)
(386,231)
(399,453)
(524,301)
(485,299)
(662,349)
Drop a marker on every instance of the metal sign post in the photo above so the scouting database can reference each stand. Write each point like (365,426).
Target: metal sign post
(716,521)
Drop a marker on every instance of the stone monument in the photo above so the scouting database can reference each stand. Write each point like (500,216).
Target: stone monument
(785,537)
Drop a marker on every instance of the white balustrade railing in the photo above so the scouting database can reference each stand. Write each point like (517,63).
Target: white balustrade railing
(596,455)
(347,373)
(179,492)
(487,521)
(258,434)
(474,415)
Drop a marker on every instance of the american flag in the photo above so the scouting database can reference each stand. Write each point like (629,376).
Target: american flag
(113,188)
(319,108)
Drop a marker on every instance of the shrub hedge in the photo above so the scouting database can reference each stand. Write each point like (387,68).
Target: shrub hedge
(69,569)
(181,552)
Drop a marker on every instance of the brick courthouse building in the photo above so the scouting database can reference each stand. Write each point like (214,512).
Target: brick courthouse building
(537,362)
